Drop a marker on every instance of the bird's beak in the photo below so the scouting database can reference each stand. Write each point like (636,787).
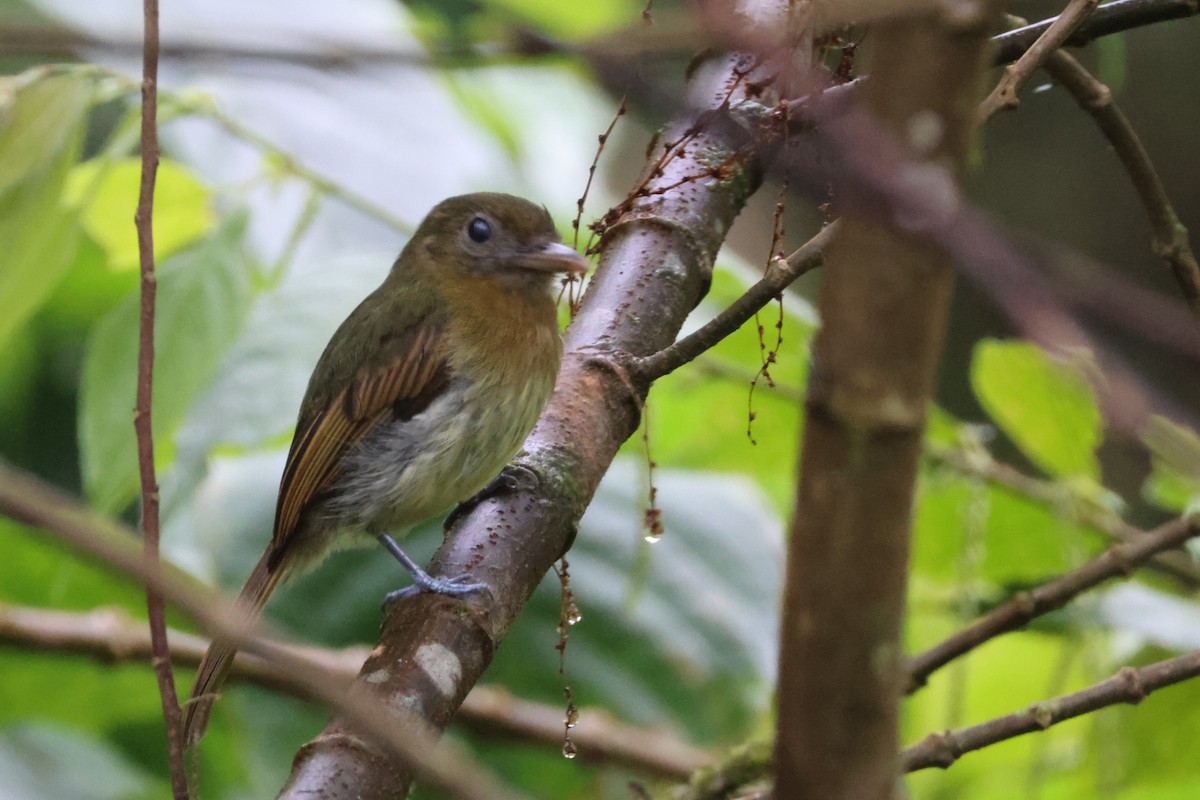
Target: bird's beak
(554,257)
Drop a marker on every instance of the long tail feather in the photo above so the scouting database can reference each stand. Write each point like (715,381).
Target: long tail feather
(214,668)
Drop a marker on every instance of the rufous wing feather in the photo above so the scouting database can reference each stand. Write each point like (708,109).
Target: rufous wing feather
(401,384)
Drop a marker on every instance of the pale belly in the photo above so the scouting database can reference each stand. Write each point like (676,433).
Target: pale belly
(417,468)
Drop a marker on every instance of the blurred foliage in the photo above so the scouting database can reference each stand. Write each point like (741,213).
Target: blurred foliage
(678,634)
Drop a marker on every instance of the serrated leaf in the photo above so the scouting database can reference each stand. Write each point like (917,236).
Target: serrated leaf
(39,121)
(106,192)
(203,297)
(1045,407)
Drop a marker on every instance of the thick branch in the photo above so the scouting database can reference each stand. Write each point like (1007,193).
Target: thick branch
(883,306)
(1128,686)
(1117,561)
(655,265)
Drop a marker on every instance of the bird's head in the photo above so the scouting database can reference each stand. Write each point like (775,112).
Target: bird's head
(494,237)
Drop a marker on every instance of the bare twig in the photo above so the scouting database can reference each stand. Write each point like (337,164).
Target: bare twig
(112,636)
(28,500)
(1129,685)
(322,183)
(142,422)
(1118,560)
(1015,74)
(1170,237)
(779,276)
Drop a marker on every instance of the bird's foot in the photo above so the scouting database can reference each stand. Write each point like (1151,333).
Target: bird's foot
(510,479)
(422,580)
(448,586)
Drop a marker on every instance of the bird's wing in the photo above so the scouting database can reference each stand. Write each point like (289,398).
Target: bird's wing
(407,375)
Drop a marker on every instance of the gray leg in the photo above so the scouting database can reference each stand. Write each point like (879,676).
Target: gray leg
(422,580)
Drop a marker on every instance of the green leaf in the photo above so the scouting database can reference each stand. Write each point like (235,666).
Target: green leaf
(965,526)
(1045,407)
(39,118)
(40,761)
(41,127)
(39,239)
(203,298)
(1174,481)
(106,191)
(573,20)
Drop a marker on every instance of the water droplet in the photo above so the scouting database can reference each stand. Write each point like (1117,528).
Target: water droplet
(572,716)
(569,750)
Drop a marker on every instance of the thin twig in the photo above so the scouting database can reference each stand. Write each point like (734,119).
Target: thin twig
(142,422)
(1129,685)
(112,636)
(780,274)
(1120,559)
(325,185)
(1170,237)
(27,499)
(1004,95)
(1057,495)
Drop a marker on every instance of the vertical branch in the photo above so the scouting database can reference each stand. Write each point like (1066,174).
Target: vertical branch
(883,305)
(143,220)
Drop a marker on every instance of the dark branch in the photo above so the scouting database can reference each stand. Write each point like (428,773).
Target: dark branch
(1108,19)
(143,220)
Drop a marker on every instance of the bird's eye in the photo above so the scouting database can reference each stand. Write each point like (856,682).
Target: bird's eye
(479,229)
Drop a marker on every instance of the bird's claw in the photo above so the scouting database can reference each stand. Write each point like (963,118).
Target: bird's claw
(425,582)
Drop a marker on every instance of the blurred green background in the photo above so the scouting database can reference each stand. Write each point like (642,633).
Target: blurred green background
(285,192)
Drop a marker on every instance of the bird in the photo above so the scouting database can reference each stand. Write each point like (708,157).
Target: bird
(419,401)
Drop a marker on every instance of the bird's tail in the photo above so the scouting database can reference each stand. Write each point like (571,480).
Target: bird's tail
(214,668)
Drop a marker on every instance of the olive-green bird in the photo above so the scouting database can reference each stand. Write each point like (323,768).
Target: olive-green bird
(420,399)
